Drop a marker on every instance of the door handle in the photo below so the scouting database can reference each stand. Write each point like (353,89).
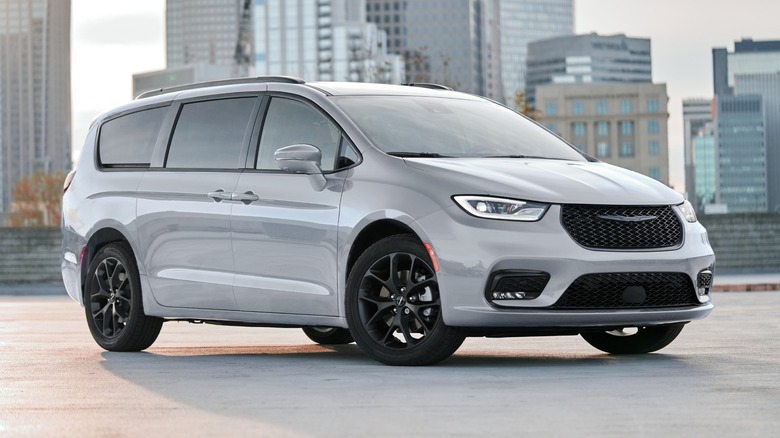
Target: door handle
(219,195)
(246,197)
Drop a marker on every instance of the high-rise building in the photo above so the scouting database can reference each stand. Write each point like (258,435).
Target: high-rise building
(621,124)
(524,21)
(454,42)
(322,40)
(767,85)
(697,113)
(705,188)
(34,91)
(748,57)
(747,89)
(202,32)
(584,59)
(741,147)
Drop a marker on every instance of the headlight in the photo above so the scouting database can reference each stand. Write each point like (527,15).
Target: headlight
(687,211)
(501,208)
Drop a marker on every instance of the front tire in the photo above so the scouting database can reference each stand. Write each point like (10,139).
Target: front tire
(328,335)
(113,302)
(644,340)
(393,305)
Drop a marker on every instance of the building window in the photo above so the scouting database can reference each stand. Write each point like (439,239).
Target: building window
(579,129)
(653,149)
(626,127)
(627,149)
(652,105)
(578,108)
(652,126)
(625,106)
(551,108)
(602,128)
(655,173)
(601,107)
(602,149)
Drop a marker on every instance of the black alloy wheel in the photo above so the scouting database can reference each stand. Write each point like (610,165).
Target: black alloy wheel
(639,340)
(328,335)
(394,305)
(113,302)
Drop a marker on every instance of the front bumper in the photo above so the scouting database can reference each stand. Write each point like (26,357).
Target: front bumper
(470,249)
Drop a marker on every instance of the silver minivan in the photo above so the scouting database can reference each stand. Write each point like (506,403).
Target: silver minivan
(403,217)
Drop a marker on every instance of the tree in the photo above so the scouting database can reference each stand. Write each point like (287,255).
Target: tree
(522,106)
(37,201)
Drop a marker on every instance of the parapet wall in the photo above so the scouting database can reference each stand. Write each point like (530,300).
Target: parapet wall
(742,242)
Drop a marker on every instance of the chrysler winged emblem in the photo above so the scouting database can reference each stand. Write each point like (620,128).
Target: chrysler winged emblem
(627,218)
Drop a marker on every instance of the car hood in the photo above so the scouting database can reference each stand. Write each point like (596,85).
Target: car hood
(550,181)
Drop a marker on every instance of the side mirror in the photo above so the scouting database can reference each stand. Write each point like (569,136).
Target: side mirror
(302,158)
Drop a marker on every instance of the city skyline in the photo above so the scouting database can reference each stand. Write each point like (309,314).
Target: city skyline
(112,41)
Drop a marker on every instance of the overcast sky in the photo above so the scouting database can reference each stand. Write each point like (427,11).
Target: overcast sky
(111,40)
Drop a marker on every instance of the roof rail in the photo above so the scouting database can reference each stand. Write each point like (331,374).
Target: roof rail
(254,80)
(428,85)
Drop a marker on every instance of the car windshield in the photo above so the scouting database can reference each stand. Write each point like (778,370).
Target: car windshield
(409,126)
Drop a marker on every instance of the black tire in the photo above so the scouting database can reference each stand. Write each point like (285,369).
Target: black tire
(113,302)
(328,335)
(394,306)
(645,340)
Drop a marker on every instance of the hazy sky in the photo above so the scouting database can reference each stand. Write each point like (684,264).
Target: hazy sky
(111,40)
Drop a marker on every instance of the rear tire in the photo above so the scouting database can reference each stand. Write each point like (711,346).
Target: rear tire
(113,303)
(394,308)
(645,340)
(328,335)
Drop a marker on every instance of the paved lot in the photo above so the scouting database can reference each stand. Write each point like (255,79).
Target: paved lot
(720,378)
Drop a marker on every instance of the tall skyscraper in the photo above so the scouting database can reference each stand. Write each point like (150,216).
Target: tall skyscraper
(204,32)
(705,187)
(741,145)
(767,85)
(589,58)
(452,43)
(697,113)
(34,91)
(748,57)
(622,124)
(747,90)
(524,21)
(322,40)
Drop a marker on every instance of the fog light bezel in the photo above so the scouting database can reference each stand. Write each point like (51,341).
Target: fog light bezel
(520,295)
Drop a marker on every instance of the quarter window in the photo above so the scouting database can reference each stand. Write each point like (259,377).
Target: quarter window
(292,122)
(128,141)
(210,134)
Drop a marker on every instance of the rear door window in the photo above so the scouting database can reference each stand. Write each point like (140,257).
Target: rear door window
(128,140)
(211,134)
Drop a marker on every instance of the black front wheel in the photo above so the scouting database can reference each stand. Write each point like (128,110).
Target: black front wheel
(634,340)
(328,335)
(394,306)
(113,302)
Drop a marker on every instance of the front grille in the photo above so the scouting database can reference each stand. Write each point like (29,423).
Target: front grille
(622,227)
(618,291)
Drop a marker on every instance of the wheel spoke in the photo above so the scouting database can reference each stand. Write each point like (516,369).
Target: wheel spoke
(407,332)
(383,309)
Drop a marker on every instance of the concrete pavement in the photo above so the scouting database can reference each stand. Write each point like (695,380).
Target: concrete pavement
(721,377)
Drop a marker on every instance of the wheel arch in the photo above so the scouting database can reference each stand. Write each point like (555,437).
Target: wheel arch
(372,233)
(99,239)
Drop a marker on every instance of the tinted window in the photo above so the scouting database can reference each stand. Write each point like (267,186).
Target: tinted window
(291,122)
(210,135)
(128,141)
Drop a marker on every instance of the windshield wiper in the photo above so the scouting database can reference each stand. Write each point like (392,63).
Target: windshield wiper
(524,156)
(418,155)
